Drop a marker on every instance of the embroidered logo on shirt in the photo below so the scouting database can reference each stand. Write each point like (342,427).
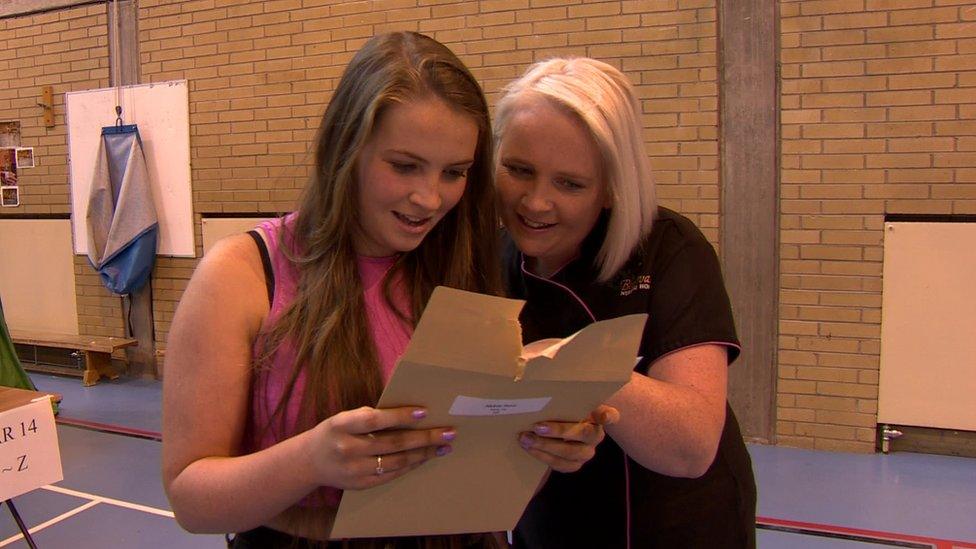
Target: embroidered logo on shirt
(629,285)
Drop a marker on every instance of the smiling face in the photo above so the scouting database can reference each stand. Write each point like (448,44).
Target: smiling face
(550,182)
(411,171)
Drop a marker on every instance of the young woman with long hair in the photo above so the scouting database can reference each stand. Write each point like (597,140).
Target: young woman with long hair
(286,335)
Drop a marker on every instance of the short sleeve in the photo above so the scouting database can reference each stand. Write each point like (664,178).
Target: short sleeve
(688,303)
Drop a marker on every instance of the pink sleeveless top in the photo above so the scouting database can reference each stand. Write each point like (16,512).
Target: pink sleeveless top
(390,336)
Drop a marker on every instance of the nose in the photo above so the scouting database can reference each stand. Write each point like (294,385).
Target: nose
(536,199)
(427,194)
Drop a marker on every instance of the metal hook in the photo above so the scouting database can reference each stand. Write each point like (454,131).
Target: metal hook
(118,116)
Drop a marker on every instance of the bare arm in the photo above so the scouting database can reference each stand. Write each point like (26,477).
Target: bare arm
(213,488)
(205,400)
(671,420)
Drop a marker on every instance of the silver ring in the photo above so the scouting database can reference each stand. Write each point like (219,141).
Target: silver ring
(379,465)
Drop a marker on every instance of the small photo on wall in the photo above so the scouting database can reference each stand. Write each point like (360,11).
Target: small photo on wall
(25,157)
(9,133)
(8,166)
(9,197)
(8,159)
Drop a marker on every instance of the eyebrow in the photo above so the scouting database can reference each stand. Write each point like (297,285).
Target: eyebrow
(423,160)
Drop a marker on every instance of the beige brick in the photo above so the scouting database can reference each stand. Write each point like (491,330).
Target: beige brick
(848,146)
(935,112)
(913,49)
(827,374)
(922,81)
(785,438)
(948,31)
(854,419)
(901,34)
(795,414)
(901,129)
(830,445)
(826,431)
(869,377)
(797,387)
(855,390)
(800,24)
(834,69)
(850,330)
(956,62)
(854,115)
(900,65)
(931,15)
(831,403)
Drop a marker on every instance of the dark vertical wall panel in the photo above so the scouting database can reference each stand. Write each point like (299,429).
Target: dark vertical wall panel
(124,64)
(749,141)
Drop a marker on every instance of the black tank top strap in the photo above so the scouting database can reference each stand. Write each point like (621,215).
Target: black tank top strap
(266,262)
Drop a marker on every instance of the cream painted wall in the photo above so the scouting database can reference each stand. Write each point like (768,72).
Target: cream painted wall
(37,280)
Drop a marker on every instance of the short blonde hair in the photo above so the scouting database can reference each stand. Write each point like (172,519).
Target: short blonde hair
(603,99)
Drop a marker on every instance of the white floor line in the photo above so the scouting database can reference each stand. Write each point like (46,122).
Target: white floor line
(47,523)
(110,501)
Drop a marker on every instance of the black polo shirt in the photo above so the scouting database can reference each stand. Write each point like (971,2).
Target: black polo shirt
(612,502)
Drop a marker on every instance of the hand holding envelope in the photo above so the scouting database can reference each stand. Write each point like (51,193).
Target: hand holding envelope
(564,446)
(367,447)
(466,366)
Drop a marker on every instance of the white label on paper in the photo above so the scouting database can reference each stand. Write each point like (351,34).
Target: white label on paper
(472,406)
(29,456)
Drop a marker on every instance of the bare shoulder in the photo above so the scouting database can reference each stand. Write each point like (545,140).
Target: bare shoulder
(233,256)
(227,289)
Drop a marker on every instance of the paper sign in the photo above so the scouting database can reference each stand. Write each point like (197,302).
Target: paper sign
(465,364)
(471,406)
(29,454)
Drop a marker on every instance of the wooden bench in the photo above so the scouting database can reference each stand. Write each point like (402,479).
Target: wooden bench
(97,350)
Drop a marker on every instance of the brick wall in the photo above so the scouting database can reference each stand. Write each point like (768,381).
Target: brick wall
(261,73)
(878,116)
(68,50)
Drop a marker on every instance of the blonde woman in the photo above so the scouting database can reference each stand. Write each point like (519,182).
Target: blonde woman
(586,241)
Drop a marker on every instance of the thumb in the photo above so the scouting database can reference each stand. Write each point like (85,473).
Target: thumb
(605,415)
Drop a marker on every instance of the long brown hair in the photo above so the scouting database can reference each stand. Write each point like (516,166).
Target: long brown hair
(327,321)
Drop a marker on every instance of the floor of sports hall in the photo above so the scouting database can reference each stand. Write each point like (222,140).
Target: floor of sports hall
(111,495)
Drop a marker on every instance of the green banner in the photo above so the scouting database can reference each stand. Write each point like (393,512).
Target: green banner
(12,374)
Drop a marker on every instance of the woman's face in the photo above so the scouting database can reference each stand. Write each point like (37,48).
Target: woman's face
(550,182)
(411,172)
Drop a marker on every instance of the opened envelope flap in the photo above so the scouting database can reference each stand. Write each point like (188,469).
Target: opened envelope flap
(468,331)
(461,365)
(602,351)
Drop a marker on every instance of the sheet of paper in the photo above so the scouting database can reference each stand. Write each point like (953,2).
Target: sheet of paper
(464,357)
(29,454)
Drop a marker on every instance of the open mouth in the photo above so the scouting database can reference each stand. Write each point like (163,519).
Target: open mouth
(410,220)
(535,224)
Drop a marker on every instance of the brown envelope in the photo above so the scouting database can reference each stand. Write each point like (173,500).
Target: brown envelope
(462,364)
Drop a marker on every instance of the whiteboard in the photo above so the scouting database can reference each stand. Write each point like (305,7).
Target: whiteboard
(38,289)
(928,306)
(215,228)
(162,112)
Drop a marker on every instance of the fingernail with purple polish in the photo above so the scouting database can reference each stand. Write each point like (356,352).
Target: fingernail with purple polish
(448,435)
(443,450)
(419,414)
(542,429)
(525,441)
